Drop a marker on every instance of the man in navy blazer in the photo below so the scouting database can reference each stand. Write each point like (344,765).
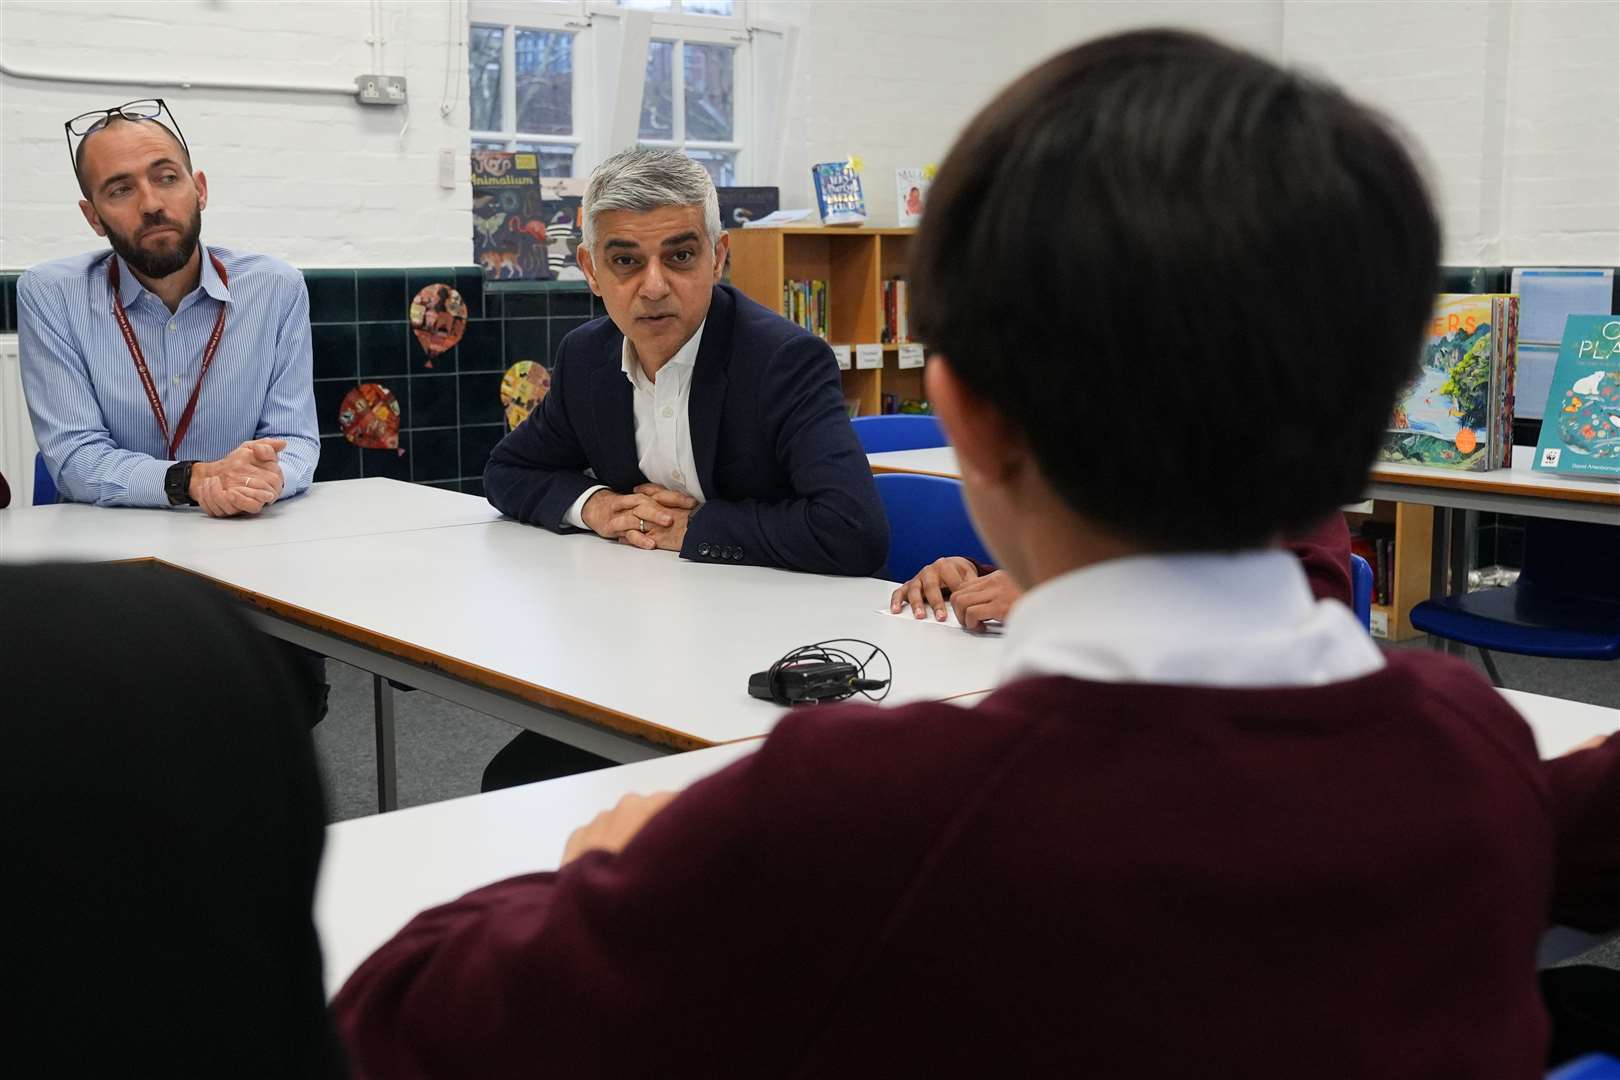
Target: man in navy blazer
(690,419)
(709,424)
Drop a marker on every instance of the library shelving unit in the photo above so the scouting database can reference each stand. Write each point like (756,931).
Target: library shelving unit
(854,262)
(1410,579)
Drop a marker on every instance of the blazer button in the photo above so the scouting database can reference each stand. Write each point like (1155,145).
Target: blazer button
(703,550)
(725,552)
(736,553)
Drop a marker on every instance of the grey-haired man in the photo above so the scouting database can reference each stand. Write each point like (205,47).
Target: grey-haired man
(710,425)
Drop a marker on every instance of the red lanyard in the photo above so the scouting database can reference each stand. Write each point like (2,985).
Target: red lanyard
(152,398)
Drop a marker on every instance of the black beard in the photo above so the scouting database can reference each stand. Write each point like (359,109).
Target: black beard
(162,263)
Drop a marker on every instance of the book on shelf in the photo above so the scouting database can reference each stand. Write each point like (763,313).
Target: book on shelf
(509,232)
(1457,412)
(805,303)
(838,193)
(1580,431)
(910,194)
(896,312)
(1375,542)
(742,206)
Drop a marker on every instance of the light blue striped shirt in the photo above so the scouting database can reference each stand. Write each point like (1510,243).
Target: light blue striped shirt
(91,417)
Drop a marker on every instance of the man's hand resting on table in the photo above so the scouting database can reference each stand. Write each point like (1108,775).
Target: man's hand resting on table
(649,517)
(244,481)
(955,581)
(612,829)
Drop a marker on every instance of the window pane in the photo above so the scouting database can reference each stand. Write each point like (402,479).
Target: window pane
(645,5)
(544,60)
(722,164)
(709,7)
(484,77)
(487,144)
(658,93)
(708,92)
(554,160)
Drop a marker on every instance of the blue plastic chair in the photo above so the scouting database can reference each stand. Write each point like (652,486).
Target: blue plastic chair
(1566,603)
(1361,589)
(44,486)
(927,520)
(898,431)
(1589,1067)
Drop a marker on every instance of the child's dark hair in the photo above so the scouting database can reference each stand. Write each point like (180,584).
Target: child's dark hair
(1196,282)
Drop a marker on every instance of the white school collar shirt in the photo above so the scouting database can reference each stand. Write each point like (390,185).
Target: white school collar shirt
(663,428)
(1240,620)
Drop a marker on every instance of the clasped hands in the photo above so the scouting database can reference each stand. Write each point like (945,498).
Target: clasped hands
(244,481)
(649,517)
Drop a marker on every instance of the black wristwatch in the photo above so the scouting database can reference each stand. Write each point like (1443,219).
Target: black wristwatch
(177,484)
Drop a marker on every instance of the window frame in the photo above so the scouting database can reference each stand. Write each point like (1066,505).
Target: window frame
(676,17)
(548,16)
(680,30)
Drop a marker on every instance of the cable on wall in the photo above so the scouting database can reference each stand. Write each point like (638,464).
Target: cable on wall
(40,75)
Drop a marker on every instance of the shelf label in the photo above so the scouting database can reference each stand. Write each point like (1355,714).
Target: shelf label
(868,357)
(911,356)
(842,353)
(1379,624)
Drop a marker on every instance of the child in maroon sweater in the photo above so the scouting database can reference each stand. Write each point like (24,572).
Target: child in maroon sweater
(1204,827)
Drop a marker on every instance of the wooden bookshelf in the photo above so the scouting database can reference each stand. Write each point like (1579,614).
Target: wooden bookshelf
(1409,580)
(854,262)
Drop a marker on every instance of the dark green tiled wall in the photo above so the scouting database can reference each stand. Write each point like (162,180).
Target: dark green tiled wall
(450,412)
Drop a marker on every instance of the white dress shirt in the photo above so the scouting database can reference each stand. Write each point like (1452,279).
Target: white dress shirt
(1243,620)
(663,430)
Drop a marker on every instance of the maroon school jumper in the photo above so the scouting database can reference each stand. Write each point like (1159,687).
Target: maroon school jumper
(1073,878)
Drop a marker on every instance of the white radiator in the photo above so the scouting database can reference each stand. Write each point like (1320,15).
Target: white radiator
(17,447)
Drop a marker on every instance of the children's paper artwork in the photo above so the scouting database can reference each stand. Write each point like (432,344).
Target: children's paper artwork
(522,387)
(438,319)
(369,418)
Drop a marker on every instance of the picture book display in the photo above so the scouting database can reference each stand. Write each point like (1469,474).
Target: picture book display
(509,234)
(838,193)
(563,217)
(1457,413)
(911,194)
(1580,431)
(1547,297)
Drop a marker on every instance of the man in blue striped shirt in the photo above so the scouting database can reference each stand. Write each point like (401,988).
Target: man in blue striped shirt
(165,372)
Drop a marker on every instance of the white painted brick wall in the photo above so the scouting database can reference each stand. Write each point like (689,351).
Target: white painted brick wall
(1513,106)
(316,180)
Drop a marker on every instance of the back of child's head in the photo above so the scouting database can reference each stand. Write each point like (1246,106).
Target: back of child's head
(1194,280)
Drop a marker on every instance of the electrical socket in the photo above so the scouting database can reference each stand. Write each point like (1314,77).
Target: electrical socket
(379,89)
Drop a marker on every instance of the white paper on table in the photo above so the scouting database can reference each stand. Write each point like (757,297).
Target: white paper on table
(868,357)
(950,620)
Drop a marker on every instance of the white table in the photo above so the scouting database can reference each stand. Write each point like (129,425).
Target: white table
(1519,490)
(623,652)
(936,461)
(380,871)
(79,532)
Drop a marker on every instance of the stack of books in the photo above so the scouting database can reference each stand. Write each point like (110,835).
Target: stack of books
(805,302)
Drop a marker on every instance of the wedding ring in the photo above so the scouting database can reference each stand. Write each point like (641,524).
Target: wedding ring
(643,524)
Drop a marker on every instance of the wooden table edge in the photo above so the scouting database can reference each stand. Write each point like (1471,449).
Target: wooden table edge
(876,468)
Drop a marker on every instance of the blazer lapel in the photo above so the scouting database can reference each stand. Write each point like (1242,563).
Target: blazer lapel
(614,405)
(709,386)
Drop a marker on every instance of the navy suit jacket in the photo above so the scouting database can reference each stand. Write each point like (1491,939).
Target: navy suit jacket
(784,476)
